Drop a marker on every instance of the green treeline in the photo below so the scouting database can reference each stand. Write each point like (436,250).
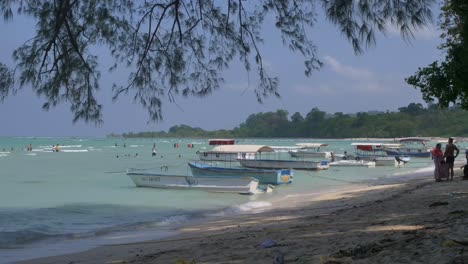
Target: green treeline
(413,120)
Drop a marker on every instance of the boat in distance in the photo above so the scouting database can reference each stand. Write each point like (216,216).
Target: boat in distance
(284,164)
(264,176)
(242,185)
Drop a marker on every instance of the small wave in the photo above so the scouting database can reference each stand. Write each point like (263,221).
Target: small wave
(71,146)
(176,219)
(243,208)
(250,206)
(74,150)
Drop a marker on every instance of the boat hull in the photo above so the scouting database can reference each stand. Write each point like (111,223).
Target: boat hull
(352,163)
(275,177)
(310,154)
(284,164)
(243,185)
(416,154)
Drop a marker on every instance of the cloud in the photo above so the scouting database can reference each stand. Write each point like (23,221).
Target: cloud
(347,71)
(346,80)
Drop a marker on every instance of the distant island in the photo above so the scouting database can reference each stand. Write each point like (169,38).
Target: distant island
(412,120)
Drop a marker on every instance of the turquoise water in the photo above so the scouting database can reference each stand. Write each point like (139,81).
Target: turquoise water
(57,202)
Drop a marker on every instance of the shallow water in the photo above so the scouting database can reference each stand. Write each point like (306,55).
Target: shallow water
(53,203)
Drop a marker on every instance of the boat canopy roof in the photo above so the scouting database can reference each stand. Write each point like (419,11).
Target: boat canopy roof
(311,145)
(387,145)
(284,148)
(367,144)
(242,149)
(412,139)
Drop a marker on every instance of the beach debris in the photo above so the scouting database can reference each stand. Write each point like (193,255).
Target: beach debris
(449,243)
(361,251)
(183,261)
(268,243)
(278,258)
(331,260)
(438,204)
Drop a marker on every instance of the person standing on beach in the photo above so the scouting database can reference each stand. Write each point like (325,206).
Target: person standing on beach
(438,157)
(450,155)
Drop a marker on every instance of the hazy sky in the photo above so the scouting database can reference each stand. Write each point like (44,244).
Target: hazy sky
(347,83)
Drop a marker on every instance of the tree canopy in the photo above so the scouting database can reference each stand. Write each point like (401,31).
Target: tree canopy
(412,120)
(447,81)
(177,47)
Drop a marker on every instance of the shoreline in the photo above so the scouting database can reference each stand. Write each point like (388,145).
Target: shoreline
(382,223)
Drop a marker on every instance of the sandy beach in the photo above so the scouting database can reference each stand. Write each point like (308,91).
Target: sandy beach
(420,221)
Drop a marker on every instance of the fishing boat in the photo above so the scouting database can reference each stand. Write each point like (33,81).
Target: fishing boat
(310,150)
(376,152)
(264,176)
(230,153)
(243,185)
(284,164)
(409,147)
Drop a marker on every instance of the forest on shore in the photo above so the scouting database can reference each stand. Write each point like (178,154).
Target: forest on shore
(412,120)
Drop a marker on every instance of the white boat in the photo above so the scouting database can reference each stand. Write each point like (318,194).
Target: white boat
(352,163)
(264,176)
(229,153)
(376,152)
(409,147)
(284,164)
(310,150)
(243,185)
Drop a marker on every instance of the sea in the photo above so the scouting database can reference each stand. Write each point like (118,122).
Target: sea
(53,203)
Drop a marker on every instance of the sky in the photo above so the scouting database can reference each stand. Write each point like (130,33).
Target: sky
(348,83)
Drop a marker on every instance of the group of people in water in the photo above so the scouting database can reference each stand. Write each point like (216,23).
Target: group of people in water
(444,161)
(56,148)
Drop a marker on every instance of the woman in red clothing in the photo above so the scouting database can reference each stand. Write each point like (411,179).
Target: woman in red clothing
(438,157)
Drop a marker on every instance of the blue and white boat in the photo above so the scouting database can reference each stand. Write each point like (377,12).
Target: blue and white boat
(283,176)
(376,152)
(243,185)
(230,153)
(284,164)
(408,147)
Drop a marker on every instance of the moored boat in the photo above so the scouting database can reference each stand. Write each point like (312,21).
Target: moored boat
(310,150)
(243,185)
(409,147)
(230,153)
(376,152)
(264,176)
(284,164)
